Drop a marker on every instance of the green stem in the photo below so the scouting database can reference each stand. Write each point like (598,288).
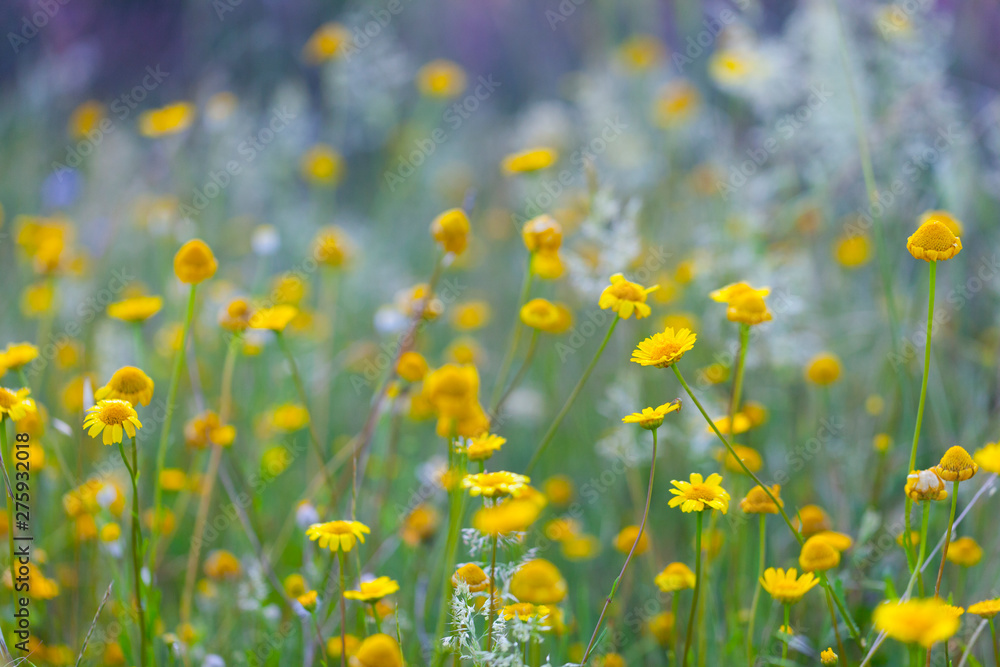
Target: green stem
(675,607)
(515,338)
(947,537)
(343,608)
(455,511)
(628,559)
(786,628)
(996,650)
(136,546)
(920,408)
(697,588)
(547,438)
(836,628)
(756,591)
(924,521)
(493,579)
(532,346)
(734,403)
(140,349)
(161,450)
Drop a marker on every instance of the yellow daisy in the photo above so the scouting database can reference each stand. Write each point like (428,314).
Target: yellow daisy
(664,349)
(675,577)
(988,458)
(921,621)
(128,384)
(338,535)
(651,418)
(135,309)
(495,484)
(14,403)
(956,465)
(625,297)
(275,319)
(933,241)
(112,417)
(700,493)
(374,590)
(786,586)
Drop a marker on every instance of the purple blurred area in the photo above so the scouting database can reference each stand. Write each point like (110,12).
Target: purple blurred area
(94,48)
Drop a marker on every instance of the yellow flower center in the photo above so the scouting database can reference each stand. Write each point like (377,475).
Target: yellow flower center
(701,492)
(628,291)
(934,236)
(115,412)
(7,398)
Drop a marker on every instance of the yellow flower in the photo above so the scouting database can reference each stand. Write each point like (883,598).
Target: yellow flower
(275,318)
(440,79)
(925,485)
(128,384)
(172,479)
(411,366)
(741,424)
(473,576)
(558,489)
(676,103)
(700,493)
(308,600)
(483,446)
(542,233)
(625,297)
(338,535)
(580,547)
(750,457)
(542,314)
(419,525)
(17,355)
(85,119)
(874,405)
(295,585)
(288,288)
(205,429)
(110,532)
(529,160)
(882,442)
(222,564)
(111,417)
(945,218)
(194,262)
(15,403)
(377,651)
(640,52)
(675,577)
(661,627)
(933,241)
(332,247)
(135,309)
(626,538)
(322,165)
(326,43)
(813,520)
(561,529)
(514,515)
(538,581)
(663,350)
(547,264)
(965,551)
(823,369)
(235,316)
(37,299)
(470,315)
(495,484)
(451,230)
(956,465)
(818,554)
(988,457)
(758,502)
(986,608)
(452,389)
(170,119)
(745,303)
(921,621)
(786,586)
(652,418)
(853,251)
(525,611)
(334,648)
(828,657)
(374,590)
(289,417)
(838,541)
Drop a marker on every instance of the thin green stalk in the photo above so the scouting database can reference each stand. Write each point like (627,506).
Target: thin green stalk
(515,338)
(836,628)
(734,403)
(996,650)
(140,348)
(920,409)
(786,628)
(161,450)
(675,608)
(547,438)
(628,559)
(529,355)
(756,590)
(924,521)
(343,608)
(377,617)
(697,588)
(136,547)
(947,536)
(455,511)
